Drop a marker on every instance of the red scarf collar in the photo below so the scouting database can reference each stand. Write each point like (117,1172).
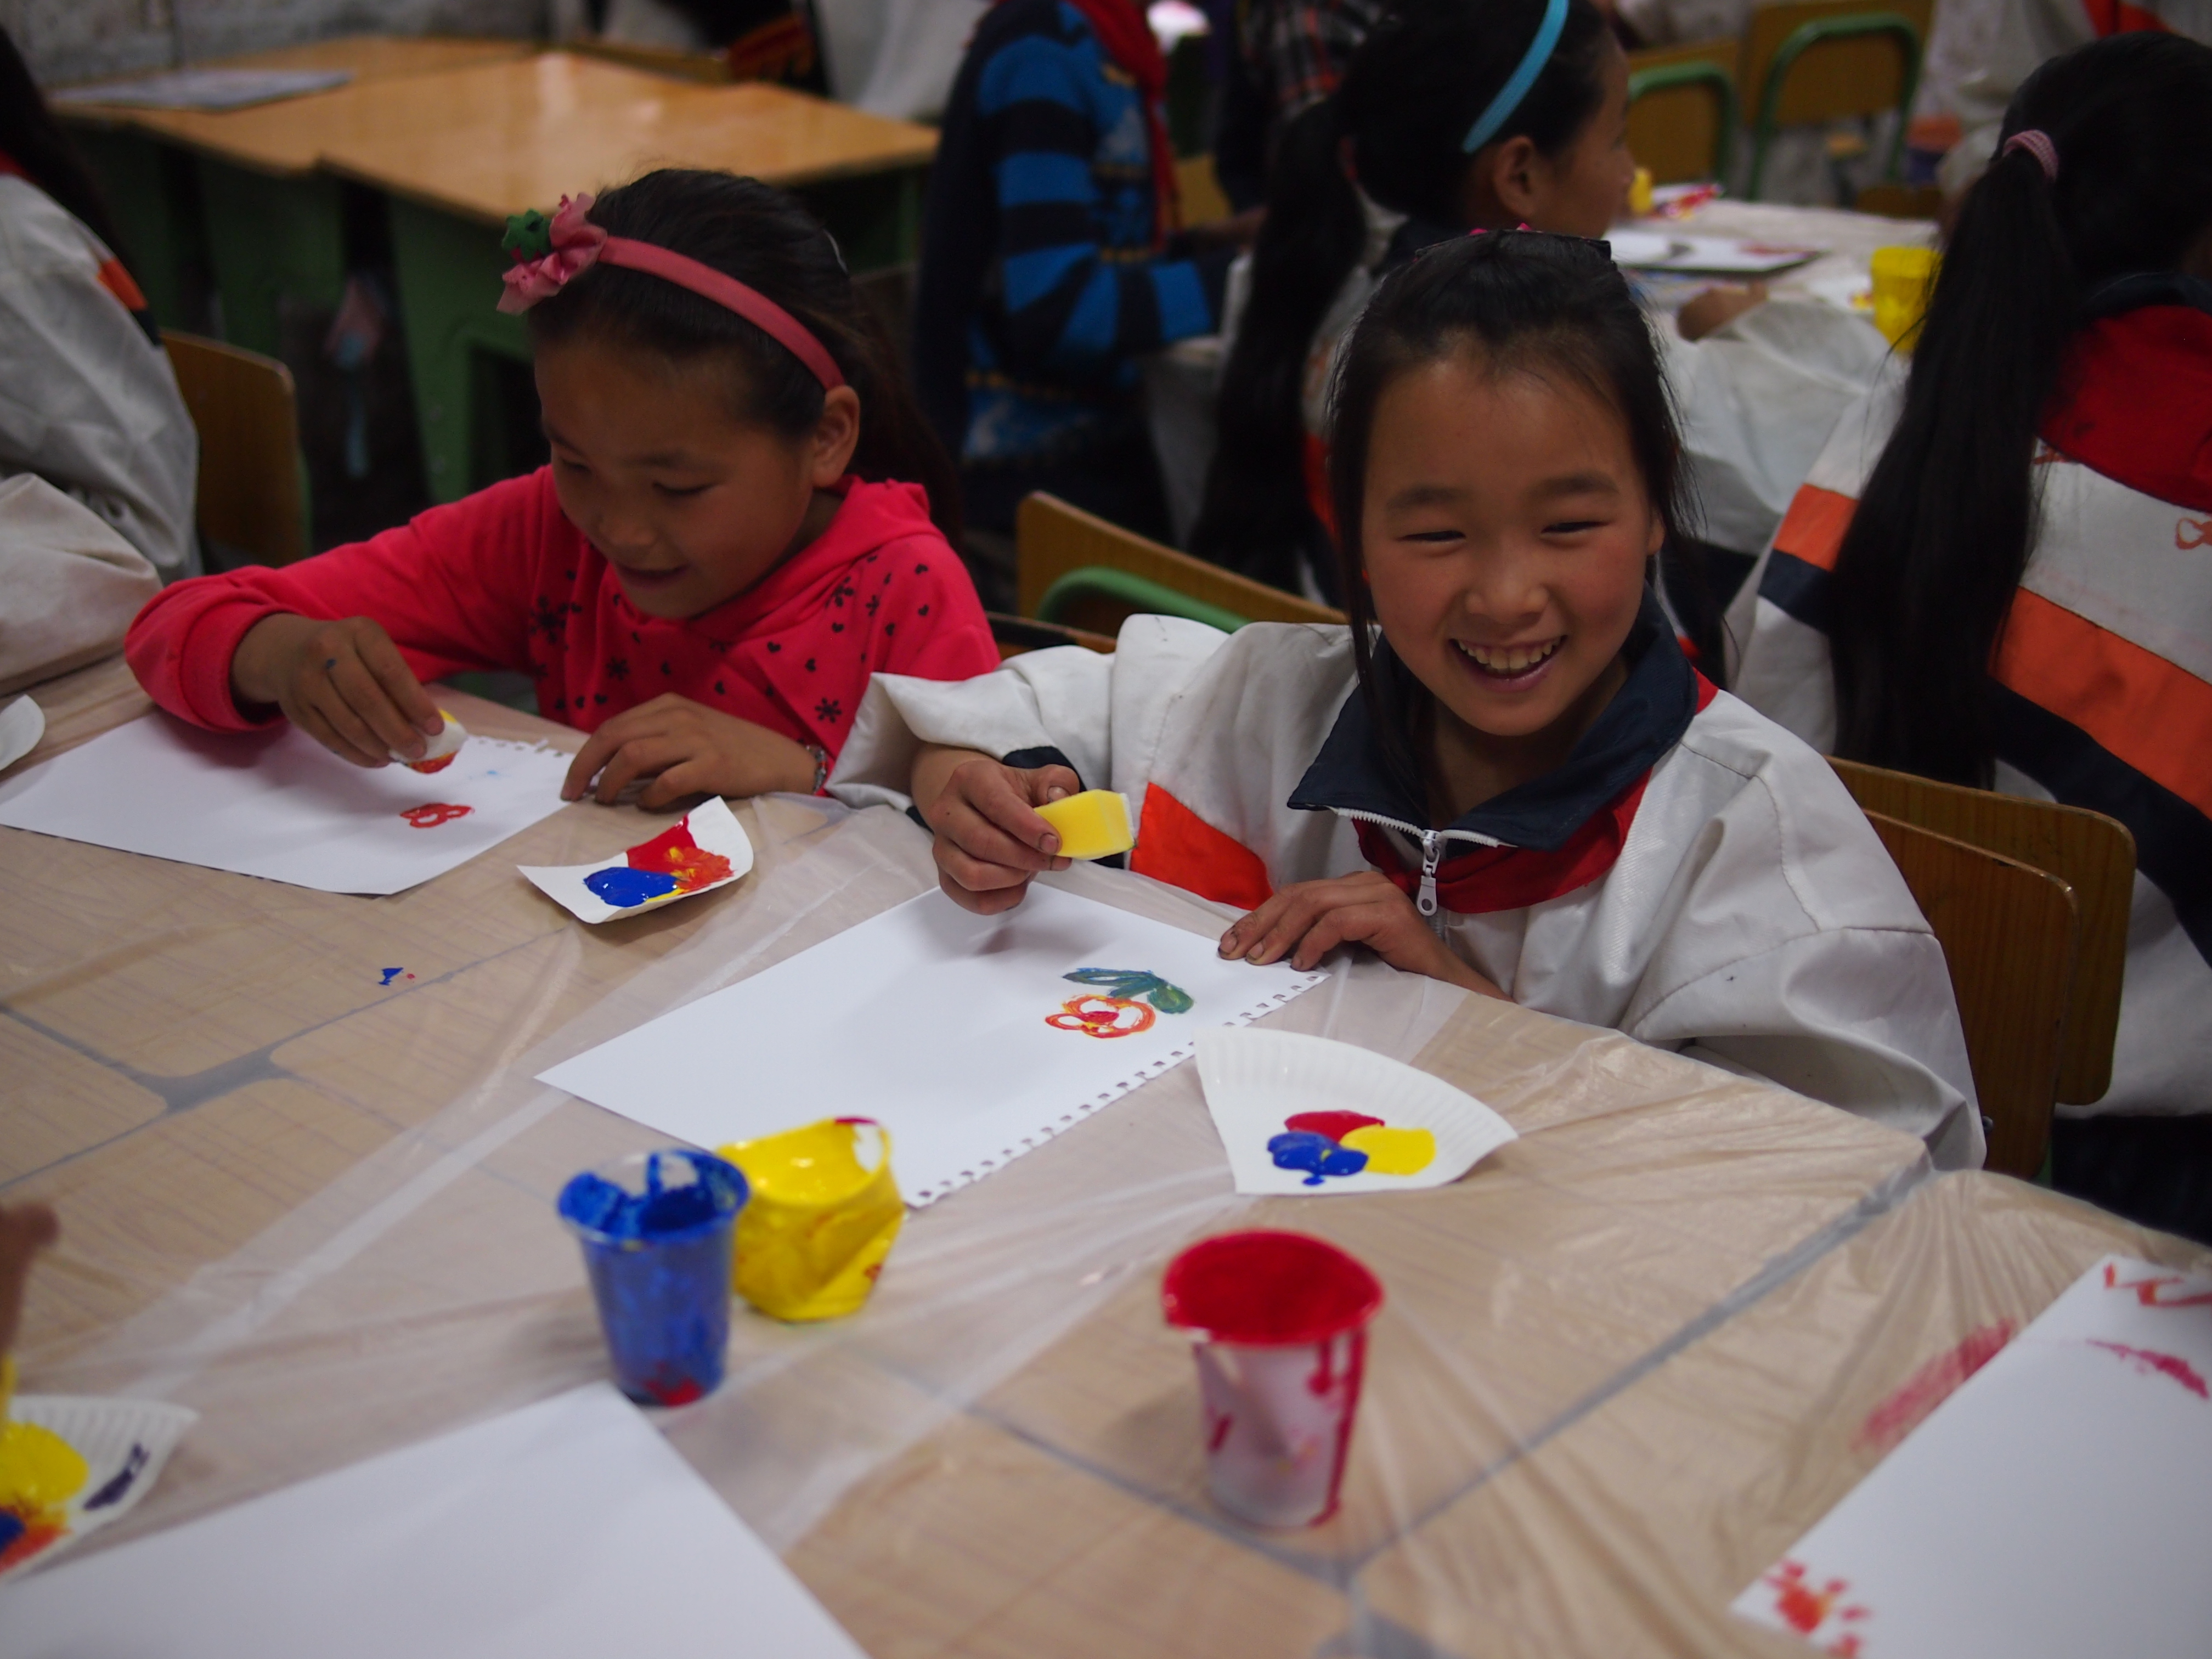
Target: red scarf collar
(2136,404)
(1491,879)
(1127,38)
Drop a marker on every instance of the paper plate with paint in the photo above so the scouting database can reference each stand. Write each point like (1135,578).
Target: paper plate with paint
(704,850)
(1304,1114)
(70,1466)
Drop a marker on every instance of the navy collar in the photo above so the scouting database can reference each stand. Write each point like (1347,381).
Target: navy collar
(1645,718)
(2148,288)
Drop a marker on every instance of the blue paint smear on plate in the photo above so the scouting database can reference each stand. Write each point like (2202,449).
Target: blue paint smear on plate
(113,1491)
(621,886)
(1301,1149)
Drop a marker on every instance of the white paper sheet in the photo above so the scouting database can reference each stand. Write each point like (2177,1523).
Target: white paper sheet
(570,1527)
(1285,1103)
(953,1031)
(2058,1503)
(280,805)
(206,89)
(1720,256)
(710,851)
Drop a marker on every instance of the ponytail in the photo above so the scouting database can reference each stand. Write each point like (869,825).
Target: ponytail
(767,240)
(1413,89)
(1925,576)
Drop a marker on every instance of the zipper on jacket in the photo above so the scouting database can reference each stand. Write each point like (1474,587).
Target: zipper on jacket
(1433,852)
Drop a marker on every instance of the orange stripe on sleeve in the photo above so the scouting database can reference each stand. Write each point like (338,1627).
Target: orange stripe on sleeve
(117,281)
(2138,706)
(1814,527)
(1175,845)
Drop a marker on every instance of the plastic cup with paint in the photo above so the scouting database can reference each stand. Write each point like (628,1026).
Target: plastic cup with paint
(1640,198)
(1903,279)
(824,1213)
(1278,1325)
(655,1228)
(1094,824)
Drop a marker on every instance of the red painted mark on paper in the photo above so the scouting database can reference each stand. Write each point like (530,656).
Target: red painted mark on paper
(2162,1364)
(431,814)
(2151,1292)
(1335,1125)
(2192,532)
(1929,1387)
(1816,1612)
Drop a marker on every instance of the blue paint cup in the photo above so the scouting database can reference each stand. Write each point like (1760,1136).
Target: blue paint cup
(656,1230)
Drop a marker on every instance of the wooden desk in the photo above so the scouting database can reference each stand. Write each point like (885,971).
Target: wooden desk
(1620,1365)
(265,224)
(456,153)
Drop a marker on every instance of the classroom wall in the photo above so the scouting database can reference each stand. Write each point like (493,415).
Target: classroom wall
(79,39)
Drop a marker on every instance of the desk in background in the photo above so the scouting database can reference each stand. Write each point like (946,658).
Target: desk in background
(1621,1365)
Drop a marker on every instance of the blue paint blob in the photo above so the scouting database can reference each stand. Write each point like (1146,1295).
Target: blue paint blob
(624,887)
(390,974)
(11,1528)
(114,1492)
(1301,1149)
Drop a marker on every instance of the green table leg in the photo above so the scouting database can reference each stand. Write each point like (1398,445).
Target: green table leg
(151,190)
(268,238)
(448,274)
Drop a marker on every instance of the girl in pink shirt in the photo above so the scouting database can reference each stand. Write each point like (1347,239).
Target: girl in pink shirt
(705,577)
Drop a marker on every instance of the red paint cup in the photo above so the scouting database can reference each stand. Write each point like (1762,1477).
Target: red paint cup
(1279,1326)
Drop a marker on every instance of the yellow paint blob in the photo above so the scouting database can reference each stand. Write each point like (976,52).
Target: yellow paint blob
(1094,824)
(38,1469)
(1393,1152)
(822,1213)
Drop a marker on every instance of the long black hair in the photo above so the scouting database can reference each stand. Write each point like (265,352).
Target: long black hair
(1926,574)
(29,133)
(764,238)
(1422,75)
(1519,302)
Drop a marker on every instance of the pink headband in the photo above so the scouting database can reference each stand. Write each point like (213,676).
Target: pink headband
(578,245)
(2037,142)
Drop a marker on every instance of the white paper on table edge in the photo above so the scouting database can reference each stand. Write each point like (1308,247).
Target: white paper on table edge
(22,723)
(548,879)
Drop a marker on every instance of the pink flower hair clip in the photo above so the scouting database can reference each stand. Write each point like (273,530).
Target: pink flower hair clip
(548,253)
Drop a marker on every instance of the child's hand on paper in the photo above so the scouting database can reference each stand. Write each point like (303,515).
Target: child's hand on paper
(342,682)
(1307,919)
(1717,307)
(686,749)
(989,842)
(25,1230)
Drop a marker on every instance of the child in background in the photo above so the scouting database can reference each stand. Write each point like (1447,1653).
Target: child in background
(1047,268)
(87,400)
(2000,574)
(720,555)
(1520,786)
(1472,114)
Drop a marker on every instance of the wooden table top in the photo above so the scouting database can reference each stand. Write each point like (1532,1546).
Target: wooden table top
(487,135)
(285,144)
(486,141)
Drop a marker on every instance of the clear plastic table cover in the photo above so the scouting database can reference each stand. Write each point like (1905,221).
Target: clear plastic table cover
(1617,1372)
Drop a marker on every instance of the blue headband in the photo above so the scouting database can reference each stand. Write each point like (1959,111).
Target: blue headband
(1500,108)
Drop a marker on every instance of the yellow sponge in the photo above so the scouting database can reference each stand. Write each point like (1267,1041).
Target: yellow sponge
(1094,824)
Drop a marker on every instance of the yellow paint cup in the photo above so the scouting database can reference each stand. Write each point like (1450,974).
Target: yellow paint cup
(1639,192)
(1903,279)
(824,1212)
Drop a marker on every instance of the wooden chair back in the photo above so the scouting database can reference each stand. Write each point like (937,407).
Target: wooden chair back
(1076,570)
(1844,78)
(252,496)
(2007,933)
(2090,853)
(1682,113)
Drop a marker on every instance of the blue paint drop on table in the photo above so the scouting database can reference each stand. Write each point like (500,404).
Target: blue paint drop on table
(622,887)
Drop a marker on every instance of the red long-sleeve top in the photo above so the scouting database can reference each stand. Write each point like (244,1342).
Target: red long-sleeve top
(502,581)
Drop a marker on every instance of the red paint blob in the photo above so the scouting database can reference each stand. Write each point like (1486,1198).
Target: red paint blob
(1267,1289)
(2162,1364)
(1929,1387)
(431,814)
(1335,1125)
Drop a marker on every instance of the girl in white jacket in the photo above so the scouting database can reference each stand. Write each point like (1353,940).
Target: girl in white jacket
(1520,785)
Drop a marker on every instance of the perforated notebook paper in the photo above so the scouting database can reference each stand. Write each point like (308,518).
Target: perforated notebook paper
(971,1039)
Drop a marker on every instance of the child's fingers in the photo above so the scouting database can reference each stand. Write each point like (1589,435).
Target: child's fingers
(599,749)
(688,777)
(363,696)
(384,662)
(1047,783)
(1001,796)
(1357,923)
(987,901)
(639,757)
(324,717)
(958,823)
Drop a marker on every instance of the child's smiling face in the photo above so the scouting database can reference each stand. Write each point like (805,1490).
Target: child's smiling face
(1504,532)
(690,504)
